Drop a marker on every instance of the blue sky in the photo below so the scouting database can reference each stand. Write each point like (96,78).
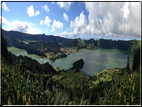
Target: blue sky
(85,20)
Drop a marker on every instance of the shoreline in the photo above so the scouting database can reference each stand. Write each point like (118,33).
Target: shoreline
(73,52)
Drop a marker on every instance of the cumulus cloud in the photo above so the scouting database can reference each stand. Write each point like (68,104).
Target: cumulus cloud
(119,19)
(37,13)
(41,22)
(30,11)
(45,8)
(112,19)
(4,21)
(47,21)
(57,24)
(65,17)
(24,27)
(79,24)
(65,5)
(5,7)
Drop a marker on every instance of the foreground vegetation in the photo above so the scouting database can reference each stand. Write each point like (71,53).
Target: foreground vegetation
(21,87)
(18,89)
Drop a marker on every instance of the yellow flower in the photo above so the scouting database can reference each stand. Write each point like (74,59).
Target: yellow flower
(131,75)
(120,93)
(127,103)
(134,87)
(9,101)
(24,98)
(131,81)
(29,99)
(124,98)
(134,83)
(2,70)
(123,87)
(27,103)
(132,98)
(18,94)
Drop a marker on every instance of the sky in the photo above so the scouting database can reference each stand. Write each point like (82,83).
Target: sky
(85,20)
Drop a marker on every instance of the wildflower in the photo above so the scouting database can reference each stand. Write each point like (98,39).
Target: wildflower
(124,98)
(129,79)
(29,99)
(134,83)
(132,98)
(131,75)
(127,103)
(120,93)
(2,70)
(24,98)
(123,87)
(134,87)
(9,101)
(18,94)
(27,103)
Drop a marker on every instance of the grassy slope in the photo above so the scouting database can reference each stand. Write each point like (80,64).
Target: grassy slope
(70,79)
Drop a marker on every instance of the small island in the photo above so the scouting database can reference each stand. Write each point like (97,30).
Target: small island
(77,65)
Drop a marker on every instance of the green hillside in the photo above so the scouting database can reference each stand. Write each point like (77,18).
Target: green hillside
(54,86)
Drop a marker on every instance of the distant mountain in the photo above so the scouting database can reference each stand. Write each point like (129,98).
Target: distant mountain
(19,40)
(36,37)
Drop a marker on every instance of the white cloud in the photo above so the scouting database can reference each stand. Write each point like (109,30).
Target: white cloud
(119,19)
(65,5)
(112,19)
(24,27)
(57,24)
(65,17)
(79,24)
(5,7)
(53,29)
(45,8)
(30,11)
(4,21)
(47,21)
(41,22)
(37,13)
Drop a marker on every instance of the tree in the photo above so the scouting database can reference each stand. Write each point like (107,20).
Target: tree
(127,67)
(4,51)
(136,60)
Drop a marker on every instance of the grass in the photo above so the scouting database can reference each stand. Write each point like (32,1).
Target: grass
(20,90)
(108,75)
(125,90)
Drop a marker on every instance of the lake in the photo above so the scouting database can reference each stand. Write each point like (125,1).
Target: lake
(23,52)
(95,60)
